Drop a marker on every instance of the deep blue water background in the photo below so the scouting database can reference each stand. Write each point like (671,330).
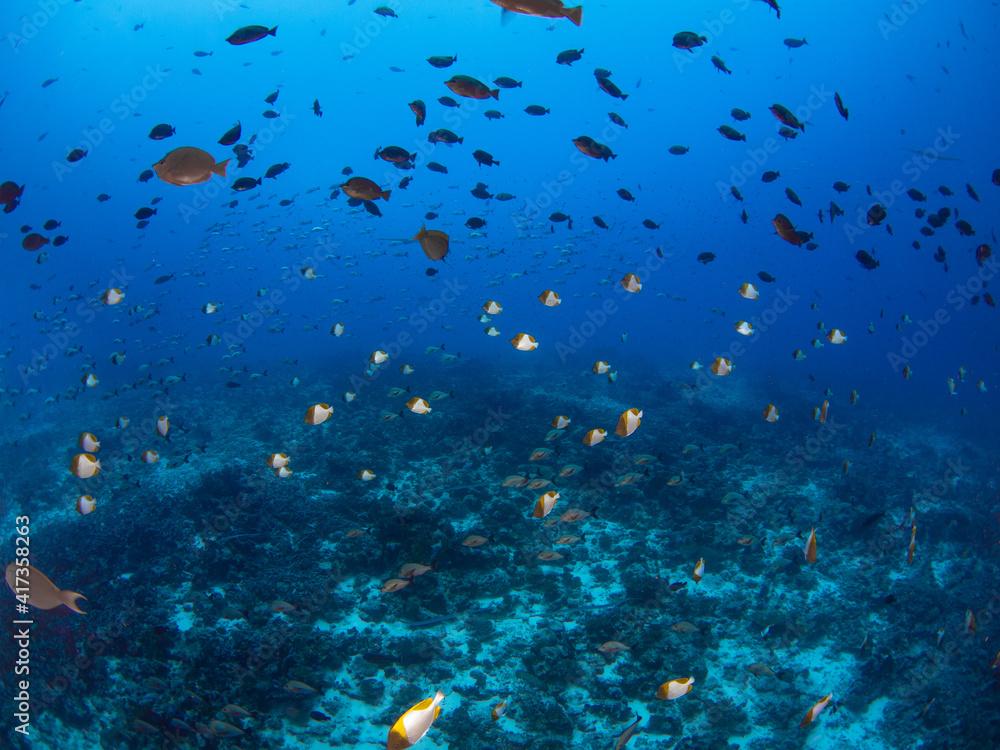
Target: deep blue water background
(892,77)
(907,74)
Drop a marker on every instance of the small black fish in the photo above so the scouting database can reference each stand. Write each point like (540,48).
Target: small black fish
(232,135)
(270,114)
(275,169)
(144,213)
(600,222)
(245,183)
(865,259)
(161,131)
(569,56)
(430,216)
(164,279)
(442,61)
(431,272)
(233,384)
(146,175)
(317,110)
(272,97)
(766,277)
(706,258)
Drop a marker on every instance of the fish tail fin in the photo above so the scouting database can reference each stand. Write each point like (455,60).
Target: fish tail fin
(273,31)
(423,231)
(495,93)
(378,151)
(69,598)
(220,168)
(386,194)
(575,15)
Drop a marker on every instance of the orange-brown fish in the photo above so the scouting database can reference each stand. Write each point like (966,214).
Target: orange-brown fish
(393,585)
(85,505)
(810,550)
(433,242)
(543,9)
(721,366)
(188,165)
(474,540)
(412,570)
(549,298)
(674,689)
(630,730)
(471,88)
(628,422)
(89,442)
(548,555)
(524,342)
(277,460)
(42,593)
(595,436)
(612,647)
(699,570)
(499,710)
(771,413)
(318,413)
(411,727)
(631,283)
(787,231)
(544,504)
(296,687)
(813,712)
(85,466)
(220,728)
(364,189)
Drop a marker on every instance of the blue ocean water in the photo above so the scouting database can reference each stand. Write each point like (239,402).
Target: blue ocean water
(270,579)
